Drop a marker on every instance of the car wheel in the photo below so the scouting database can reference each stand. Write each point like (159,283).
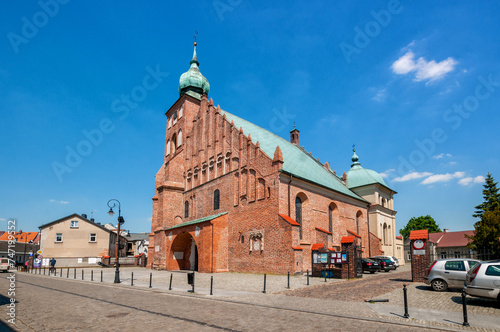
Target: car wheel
(386,270)
(372,272)
(439,285)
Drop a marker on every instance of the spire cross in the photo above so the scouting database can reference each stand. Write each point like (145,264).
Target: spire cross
(194,37)
(354,147)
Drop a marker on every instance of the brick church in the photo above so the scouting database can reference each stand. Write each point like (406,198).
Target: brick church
(232,196)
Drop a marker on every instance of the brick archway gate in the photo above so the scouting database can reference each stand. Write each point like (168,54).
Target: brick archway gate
(184,252)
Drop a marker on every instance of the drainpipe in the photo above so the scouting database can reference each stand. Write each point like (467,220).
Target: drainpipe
(369,242)
(291,178)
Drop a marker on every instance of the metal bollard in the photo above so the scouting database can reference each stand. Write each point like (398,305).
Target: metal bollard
(82,274)
(67,273)
(150,280)
(211,284)
(60,273)
(192,289)
(288,282)
(464,305)
(264,291)
(132,279)
(170,285)
(307,277)
(325,274)
(406,315)
(91,275)
(101,275)
(74,273)
(43,271)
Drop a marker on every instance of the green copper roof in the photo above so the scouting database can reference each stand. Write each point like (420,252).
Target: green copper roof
(358,176)
(197,221)
(297,162)
(193,80)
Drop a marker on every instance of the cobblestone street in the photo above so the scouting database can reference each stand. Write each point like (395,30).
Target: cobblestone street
(67,305)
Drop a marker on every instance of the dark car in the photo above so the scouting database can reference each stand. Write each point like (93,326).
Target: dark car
(370,265)
(385,263)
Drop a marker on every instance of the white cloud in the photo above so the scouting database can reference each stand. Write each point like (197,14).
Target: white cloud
(385,174)
(60,202)
(3,219)
(470,180)
(380,96)
(424,70)
(412,176)
(443,177)
(442,155)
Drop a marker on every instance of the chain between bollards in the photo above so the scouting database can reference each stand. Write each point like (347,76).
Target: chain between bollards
(464,305)
(150,280)
(406,315)
(264,291)
(170,285)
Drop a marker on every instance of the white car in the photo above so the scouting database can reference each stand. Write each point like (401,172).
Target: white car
(393,259)
(484,280)
(4,264)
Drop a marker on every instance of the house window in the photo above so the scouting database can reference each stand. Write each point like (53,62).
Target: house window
(186,209)
(298,213)
(216,199)
(457,254)
(93,237)
(59,237)
(443,255)
(74,223)
(175,117)
(330,219)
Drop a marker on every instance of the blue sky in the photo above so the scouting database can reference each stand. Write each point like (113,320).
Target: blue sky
(84,87)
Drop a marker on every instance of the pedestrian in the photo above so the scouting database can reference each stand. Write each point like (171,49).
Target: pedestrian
(52,265)
(26,266)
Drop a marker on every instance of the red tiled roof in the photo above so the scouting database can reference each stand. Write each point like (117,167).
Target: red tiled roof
(290,220)
(356,235)
(323,230)
(435,237)
(454,239)
(317,246)
(419,235)
(20,236)
(399,237)
(347,239)
(297,248)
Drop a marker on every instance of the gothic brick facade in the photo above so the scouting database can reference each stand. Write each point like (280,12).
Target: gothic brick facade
(224,203)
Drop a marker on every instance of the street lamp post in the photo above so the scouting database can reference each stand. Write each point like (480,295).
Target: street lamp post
(120,221)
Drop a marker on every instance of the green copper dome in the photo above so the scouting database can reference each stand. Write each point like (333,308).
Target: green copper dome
(358,176)
(193,80)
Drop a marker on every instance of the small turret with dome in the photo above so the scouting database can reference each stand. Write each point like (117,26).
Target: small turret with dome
(193,80)
(358,176)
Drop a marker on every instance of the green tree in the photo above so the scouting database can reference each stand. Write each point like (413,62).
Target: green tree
(487,230)
(422,222)
(491,197)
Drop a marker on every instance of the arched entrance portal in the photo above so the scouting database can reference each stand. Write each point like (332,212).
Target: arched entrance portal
(185,252)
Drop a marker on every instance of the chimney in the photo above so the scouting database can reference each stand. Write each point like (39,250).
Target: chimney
(446,230)
(84,215)
(92,219)
(294,136)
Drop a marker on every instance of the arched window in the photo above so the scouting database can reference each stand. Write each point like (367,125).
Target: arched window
(168,147)
(383,201)
(330,219)
(179,138)
(216,199)
(186,209)
(175,117)
(384,234)
(174,144)
(298,213)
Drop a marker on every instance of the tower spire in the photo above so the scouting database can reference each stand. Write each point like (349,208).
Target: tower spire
(355,157)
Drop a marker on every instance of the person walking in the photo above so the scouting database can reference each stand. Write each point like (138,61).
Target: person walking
(52,265)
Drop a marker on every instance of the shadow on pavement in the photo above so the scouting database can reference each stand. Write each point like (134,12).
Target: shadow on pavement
(5,327)
(477,302)
(401,279)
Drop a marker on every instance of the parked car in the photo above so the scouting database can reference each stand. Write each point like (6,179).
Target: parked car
(393,259)
(483,280)
(370,265)
(4,264)
(449,273)
(385,263)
